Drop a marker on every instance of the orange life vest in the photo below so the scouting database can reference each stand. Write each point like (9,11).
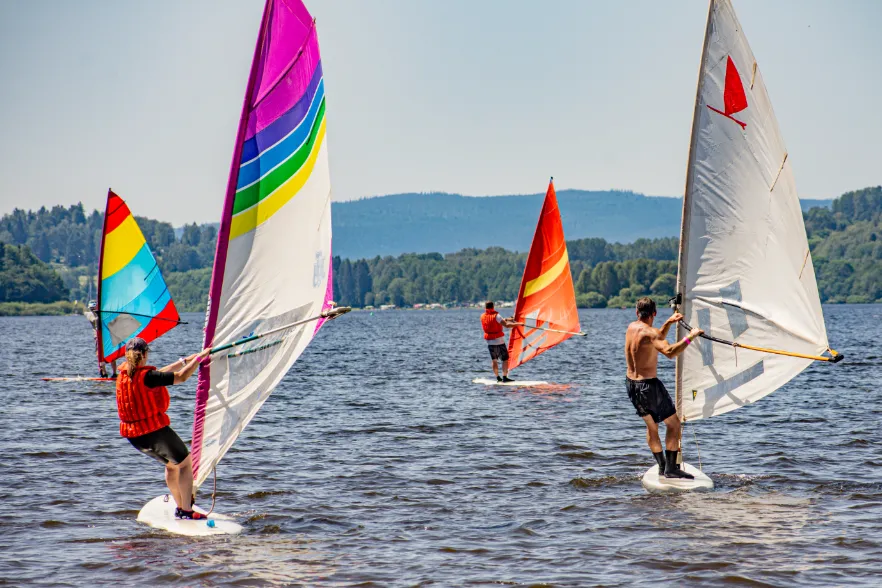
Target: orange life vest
(141,409)
(492,328)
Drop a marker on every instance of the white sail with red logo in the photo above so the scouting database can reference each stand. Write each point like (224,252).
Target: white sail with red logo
(745,270)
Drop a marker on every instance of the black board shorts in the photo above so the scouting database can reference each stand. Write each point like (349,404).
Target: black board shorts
(650,397)
(163,445)
(498,352)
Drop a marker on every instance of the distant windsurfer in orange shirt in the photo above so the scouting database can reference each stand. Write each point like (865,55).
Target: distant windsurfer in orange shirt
(493,326)
(643,343)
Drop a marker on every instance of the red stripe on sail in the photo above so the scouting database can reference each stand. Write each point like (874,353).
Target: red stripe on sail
(117,212)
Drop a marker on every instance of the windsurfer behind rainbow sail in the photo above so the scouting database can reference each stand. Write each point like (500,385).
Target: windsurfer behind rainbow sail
(92,316)
(643,343)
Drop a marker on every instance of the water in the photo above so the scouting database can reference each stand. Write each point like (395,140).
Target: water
(378,463)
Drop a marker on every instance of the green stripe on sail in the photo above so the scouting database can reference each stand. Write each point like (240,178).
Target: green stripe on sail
(248,197)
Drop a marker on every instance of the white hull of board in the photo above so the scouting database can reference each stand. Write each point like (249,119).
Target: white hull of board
(159,513)
(515,383)
(660,485)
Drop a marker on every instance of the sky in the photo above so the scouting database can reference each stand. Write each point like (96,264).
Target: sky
(475,97)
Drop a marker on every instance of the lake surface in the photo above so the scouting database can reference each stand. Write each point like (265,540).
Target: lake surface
(378,463)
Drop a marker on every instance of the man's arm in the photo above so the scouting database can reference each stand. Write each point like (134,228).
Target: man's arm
(672,350)
(675,318)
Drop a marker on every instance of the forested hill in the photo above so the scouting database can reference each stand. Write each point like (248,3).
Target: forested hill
(436,222)
(424,223)
(845,242)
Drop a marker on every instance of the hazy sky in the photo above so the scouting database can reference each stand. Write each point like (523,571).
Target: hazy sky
(472,96)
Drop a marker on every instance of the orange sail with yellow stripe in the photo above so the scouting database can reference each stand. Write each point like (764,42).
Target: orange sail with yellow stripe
(546,308)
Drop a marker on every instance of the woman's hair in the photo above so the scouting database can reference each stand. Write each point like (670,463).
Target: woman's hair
(134,359)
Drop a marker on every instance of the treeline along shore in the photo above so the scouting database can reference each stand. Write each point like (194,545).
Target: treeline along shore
(50,256)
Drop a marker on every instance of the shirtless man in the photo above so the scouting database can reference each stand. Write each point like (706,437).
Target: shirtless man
(643,343)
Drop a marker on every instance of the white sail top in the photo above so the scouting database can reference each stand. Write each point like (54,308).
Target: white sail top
(746,272)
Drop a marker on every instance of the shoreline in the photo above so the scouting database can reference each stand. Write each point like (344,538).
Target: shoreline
(60,308)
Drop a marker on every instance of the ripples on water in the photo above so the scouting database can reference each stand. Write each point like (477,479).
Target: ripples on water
(378,463)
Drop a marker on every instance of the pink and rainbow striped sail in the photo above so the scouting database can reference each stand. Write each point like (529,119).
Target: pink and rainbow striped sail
(273,262)
(133,299)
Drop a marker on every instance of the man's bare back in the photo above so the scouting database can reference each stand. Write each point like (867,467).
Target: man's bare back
(643,343)
(640,354)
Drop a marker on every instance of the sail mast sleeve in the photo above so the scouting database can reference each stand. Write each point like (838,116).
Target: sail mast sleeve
(223,241)
(99,350)
(687,208)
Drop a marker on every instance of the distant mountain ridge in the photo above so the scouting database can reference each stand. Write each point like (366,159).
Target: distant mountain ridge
(441,222)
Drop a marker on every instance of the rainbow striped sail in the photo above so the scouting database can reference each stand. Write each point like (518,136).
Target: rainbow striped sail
(133,300)
(273,261)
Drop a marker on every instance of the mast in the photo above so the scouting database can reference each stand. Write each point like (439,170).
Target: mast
(100,350)
(223,240)
(687,209)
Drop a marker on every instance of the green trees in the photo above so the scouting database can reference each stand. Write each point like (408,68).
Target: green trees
(24,278)
(845,241)
(846,247)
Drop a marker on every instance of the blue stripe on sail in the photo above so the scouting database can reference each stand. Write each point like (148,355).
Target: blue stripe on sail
(274,155)
(132,294)
(283,125)
(126,284)
(137,288)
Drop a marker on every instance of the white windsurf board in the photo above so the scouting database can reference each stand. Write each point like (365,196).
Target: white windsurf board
(660,485)
(78,379)
(159,513)
(516,383)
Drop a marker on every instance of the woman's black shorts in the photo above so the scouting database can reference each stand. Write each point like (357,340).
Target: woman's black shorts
(163,445)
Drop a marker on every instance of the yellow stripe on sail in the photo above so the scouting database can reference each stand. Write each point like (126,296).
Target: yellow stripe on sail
(249,219)
(548,277)
(120,246)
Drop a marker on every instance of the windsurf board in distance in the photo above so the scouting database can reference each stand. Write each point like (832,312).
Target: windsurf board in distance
(159,513)
(78,379)
(513,383)
(656,484)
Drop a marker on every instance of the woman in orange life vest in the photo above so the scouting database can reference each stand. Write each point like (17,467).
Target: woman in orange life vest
(493,324)
(142,401)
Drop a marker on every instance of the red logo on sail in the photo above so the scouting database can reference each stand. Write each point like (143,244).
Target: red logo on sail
(734,99)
